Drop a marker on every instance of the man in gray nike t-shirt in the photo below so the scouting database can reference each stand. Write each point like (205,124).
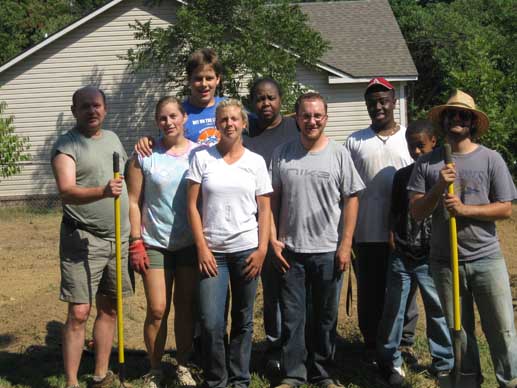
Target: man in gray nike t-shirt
(315,209)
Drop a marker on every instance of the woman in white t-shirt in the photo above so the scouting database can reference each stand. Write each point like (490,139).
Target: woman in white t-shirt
(232,186)
(161,243)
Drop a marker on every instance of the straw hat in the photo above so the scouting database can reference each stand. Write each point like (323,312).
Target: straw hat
(460,100)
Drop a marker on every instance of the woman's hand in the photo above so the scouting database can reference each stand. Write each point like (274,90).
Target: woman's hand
(254,264)
(207,263)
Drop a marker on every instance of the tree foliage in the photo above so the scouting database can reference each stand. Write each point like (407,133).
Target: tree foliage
(252,38)
(470,45)
(12,147)
(24,23)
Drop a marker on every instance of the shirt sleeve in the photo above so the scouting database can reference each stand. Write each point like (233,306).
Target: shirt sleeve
(64,145)
(417,179)
(351,182)
(262,180)
(502,188)
(195,171)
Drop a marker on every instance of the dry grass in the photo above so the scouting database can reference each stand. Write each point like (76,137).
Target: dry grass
(31,316)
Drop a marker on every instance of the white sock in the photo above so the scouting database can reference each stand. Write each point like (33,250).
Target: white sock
(98,378)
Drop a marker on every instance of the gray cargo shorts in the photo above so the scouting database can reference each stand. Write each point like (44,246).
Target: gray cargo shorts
(88,266)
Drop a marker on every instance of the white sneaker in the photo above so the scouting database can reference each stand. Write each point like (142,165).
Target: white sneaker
(152,381)
(396,377)
(184,376)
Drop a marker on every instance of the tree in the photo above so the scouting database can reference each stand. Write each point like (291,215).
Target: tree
(24,23)
(252,38)
(12,147)
(469,45)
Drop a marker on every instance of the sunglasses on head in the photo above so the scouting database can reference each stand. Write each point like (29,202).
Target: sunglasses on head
(465,115)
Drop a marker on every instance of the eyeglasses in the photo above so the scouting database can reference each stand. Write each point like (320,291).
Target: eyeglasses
(317,117)
(465,115)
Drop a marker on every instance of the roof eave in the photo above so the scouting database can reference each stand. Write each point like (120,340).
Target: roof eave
(337,76)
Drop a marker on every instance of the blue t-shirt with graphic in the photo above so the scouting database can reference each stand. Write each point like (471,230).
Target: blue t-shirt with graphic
(200,125)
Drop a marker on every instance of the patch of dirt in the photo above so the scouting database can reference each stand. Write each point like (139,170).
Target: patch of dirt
(31,314)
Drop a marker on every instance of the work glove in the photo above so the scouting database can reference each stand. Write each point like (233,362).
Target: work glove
(138,257)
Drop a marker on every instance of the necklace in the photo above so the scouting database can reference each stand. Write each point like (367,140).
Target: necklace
(384,139)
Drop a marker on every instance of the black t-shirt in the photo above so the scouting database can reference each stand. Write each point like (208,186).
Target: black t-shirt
(411,237)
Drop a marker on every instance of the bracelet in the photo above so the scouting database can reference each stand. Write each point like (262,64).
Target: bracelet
(133,239)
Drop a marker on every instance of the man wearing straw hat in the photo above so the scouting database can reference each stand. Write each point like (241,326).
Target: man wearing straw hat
(484,193)
(82,161)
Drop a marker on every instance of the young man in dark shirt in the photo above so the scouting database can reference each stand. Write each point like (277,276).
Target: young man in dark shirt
(409,263)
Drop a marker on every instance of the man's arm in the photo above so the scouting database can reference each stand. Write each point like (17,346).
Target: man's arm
(422,205)
(63,167)
(490,212)
(349,215)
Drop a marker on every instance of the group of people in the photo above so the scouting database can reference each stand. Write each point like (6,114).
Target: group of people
(223,196)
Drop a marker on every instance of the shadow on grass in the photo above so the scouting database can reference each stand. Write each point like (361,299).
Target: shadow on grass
(42,365)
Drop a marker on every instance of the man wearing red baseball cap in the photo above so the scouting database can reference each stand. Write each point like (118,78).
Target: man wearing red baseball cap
(378,152)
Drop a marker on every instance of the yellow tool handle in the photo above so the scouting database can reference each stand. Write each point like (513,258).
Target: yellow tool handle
(118,252)
(453,237)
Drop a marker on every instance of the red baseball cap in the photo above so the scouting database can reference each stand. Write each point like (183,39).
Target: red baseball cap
(381,82)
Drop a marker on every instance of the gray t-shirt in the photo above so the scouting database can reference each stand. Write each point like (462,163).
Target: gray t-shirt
(312,186)
(93,159)
(482,178)
(265,143)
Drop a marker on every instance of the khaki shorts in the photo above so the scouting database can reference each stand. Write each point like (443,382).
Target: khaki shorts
(88,266)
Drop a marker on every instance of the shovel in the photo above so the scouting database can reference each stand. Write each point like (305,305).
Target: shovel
(456,379)
(118,252)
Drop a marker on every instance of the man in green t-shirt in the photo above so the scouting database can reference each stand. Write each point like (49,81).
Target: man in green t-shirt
(82,161)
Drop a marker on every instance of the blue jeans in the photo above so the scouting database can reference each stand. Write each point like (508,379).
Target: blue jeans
(484,281)
(402,272)
(410,317)
(213,294)
(271,279)
(300,361)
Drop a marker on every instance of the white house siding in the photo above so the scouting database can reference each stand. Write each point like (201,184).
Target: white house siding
(38,89)
(346,108)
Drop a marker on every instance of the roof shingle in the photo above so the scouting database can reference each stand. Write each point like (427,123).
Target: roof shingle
(365,38)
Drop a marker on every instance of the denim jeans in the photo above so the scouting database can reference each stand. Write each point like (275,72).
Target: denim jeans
(301,361)
(483,281)
(271,279)
(410,317)
(218,372)
(371,265)
(402,272)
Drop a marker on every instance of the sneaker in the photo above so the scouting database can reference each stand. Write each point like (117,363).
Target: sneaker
(107,382)
(184,377)
(152,381)
(442,374)
(272,369)
(409,355)
(396,377)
